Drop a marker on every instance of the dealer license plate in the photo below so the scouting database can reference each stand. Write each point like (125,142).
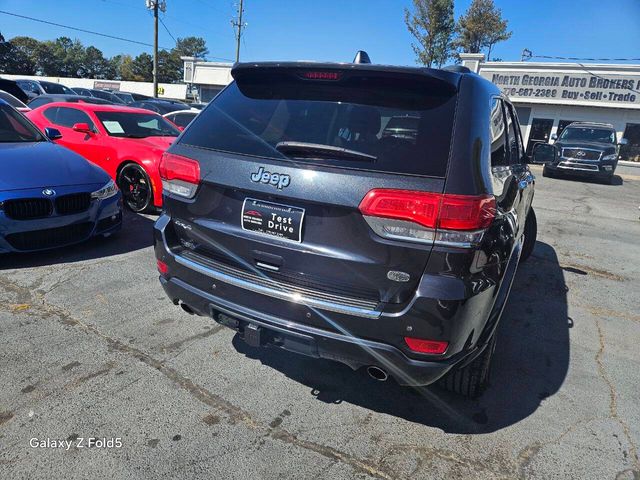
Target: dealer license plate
(274,219)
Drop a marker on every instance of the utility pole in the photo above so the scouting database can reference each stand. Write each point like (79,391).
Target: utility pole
(156,5)
(239,25)
(155,49)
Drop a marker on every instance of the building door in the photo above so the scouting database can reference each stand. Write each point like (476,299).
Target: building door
(631,151)
(540,131)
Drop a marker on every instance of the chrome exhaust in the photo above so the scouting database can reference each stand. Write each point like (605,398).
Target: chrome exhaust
(186,308)
(377,373)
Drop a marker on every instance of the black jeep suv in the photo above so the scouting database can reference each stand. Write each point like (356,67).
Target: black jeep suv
(295,214)
(585,148)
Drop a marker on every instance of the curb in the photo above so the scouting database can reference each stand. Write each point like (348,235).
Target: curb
(629,164)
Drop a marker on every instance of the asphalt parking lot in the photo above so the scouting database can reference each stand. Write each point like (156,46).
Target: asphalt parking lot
(91,347)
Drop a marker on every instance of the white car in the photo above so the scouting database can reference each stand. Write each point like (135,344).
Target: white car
(182,118)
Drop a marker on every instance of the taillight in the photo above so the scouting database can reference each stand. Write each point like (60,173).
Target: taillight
(180,175)
(457,220)
(462,212)
(418,207)
(420,345)
(163,268)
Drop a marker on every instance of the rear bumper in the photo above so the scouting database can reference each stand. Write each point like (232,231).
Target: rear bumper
(307,340)
(443,308)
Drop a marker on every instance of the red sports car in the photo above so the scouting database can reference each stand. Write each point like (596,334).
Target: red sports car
(126,142)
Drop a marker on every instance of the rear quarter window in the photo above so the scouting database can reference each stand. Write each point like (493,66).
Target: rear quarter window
(398,127)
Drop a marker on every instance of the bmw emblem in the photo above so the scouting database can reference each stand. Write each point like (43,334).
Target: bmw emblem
(48,192)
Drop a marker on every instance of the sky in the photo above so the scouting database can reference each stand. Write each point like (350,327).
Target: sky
(328,30)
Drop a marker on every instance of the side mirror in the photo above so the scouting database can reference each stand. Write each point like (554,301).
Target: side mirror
(554,136)
(52,133)
(623,141)
(544,153)
(82,128)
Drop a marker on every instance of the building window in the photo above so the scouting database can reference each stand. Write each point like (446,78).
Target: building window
(523,114)
(207,92)
(631,151)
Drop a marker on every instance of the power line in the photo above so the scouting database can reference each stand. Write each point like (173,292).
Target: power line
(528,54)
(580,59)
(79,29)
(167,29)
(98,33)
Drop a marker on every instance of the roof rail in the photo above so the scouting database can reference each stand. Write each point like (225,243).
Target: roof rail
(361,57)
(456,69)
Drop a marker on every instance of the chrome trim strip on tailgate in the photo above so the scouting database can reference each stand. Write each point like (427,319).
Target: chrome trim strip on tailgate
(282,291)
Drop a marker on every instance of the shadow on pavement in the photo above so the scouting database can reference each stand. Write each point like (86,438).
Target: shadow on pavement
(136,234)
(530,363)
(616,180)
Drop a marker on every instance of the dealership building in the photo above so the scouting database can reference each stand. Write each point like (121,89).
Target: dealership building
(549,96)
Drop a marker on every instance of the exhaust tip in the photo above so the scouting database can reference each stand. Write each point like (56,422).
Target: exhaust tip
(187,308)
(377,373)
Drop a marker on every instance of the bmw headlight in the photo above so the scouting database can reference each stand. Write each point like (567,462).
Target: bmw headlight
(108,191)
(613,156)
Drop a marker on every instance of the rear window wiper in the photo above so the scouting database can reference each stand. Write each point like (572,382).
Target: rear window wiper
(314,149)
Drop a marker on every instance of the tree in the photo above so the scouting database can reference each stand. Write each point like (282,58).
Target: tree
(114,64)
(94,65)
(169,66)
(19,56)
(433,26)
(481,26)
(191,47)
(142,68)
(61,58)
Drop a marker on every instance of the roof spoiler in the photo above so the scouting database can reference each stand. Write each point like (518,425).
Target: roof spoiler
(261,70)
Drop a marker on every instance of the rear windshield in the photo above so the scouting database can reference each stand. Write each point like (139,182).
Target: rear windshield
(389,125)
(53,88)
(11,100)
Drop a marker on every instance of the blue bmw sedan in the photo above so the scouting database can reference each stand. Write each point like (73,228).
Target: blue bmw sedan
(49,196)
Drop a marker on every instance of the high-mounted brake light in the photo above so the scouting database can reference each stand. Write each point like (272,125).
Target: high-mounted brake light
(180,175)
(433,347)
(457,220)
(322,75)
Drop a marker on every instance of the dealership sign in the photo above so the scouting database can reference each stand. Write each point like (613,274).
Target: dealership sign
(102,85)
(568,88)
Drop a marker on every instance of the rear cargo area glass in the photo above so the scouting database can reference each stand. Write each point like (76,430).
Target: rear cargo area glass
(401,127)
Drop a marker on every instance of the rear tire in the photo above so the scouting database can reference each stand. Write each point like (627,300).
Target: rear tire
(473,379)
(530,235)
(136,188)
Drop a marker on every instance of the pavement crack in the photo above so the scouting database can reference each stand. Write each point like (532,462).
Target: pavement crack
(613,398)
(42,309)
(192,338)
